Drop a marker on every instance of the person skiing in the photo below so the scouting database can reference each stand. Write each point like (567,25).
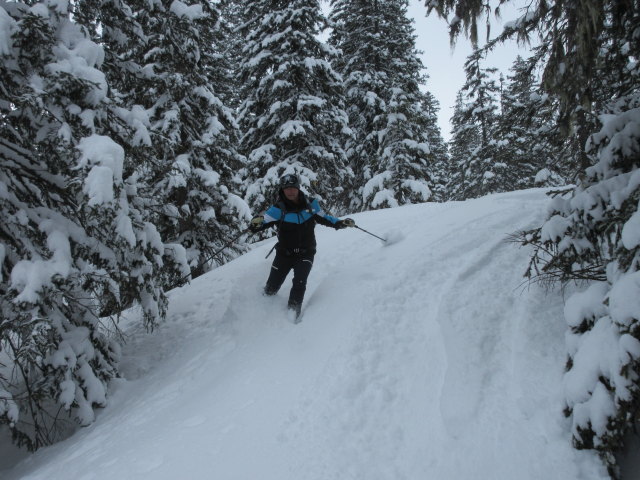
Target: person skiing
(295,217)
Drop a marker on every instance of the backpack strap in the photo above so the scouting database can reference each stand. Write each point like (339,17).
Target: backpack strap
(283,208)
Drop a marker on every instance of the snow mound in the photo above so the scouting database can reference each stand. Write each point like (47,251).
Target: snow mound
(427,360)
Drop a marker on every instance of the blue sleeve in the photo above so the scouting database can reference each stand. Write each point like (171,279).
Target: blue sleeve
(315,207)
(273,214)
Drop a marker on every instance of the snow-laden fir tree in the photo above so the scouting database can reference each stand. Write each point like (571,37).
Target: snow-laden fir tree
(291,117)
(440,166)
(465,139)
(228,43)
(478,171)
(389,153)
(524,132)
(116,24)
(558,153)
(167,71)
(193,135)
(593,232)
(73,245)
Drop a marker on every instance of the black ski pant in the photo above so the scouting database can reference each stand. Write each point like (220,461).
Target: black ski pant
(284,262)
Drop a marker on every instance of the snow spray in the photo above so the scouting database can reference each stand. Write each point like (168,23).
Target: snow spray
(393,236)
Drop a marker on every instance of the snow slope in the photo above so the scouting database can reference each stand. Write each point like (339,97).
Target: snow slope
(424,359)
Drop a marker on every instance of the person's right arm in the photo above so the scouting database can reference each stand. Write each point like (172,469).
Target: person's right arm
(262,222)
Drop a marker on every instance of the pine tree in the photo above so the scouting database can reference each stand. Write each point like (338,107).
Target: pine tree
(228,43)
(440,166)
(389,153)
(74,247)
(194,135)
(590,53)
(291,117)
(120,27)
(465,139)
(525,133)
(479,171)
(171,73)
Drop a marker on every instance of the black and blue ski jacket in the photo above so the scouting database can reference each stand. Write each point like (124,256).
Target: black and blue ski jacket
(296,223)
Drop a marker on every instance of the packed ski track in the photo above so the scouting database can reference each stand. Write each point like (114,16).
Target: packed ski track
(427,358)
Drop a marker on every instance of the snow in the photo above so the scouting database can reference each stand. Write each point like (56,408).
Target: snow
(424,358)
(99,185)
(238,204)
(207,215)
(138,118)
(631,231)
(309,100)
(418,187)
(124,228)
(6,25)
(420,146)
(209,177)
(30,277)
(554,228)
(542,176)
(376,183)
(181,9)
(91,52)
(40,9)
(81,61)
(7,405)
(624,301)
(384,197)
(292,128)
(586,305)
(106,158)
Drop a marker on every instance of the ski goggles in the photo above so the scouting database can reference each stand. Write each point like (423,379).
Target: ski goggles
(290,180)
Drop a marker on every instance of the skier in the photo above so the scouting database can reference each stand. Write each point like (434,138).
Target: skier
(295,217)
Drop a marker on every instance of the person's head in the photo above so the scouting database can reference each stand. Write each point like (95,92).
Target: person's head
(290,185)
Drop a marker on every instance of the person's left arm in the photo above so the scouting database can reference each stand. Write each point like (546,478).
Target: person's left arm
(323,218)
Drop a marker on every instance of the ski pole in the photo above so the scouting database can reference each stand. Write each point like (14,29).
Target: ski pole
(272,249)
(210,257)
(379,238)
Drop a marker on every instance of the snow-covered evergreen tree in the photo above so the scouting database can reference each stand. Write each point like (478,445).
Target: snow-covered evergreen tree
(73,244)
(291,117)
(478,170)
(593,232)
(228,44)
(168,66)
(465,140)
(524,132)
(389,152)
(440,166)
(193,132)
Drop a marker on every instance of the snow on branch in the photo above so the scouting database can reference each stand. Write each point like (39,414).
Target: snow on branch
(107,159)
(181,9)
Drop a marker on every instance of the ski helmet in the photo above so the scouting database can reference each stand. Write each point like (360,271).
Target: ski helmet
(290,180)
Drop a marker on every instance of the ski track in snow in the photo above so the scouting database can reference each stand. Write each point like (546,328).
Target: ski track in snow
(426,358)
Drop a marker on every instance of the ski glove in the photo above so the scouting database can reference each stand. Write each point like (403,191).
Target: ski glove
(256,224)
(347,222)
